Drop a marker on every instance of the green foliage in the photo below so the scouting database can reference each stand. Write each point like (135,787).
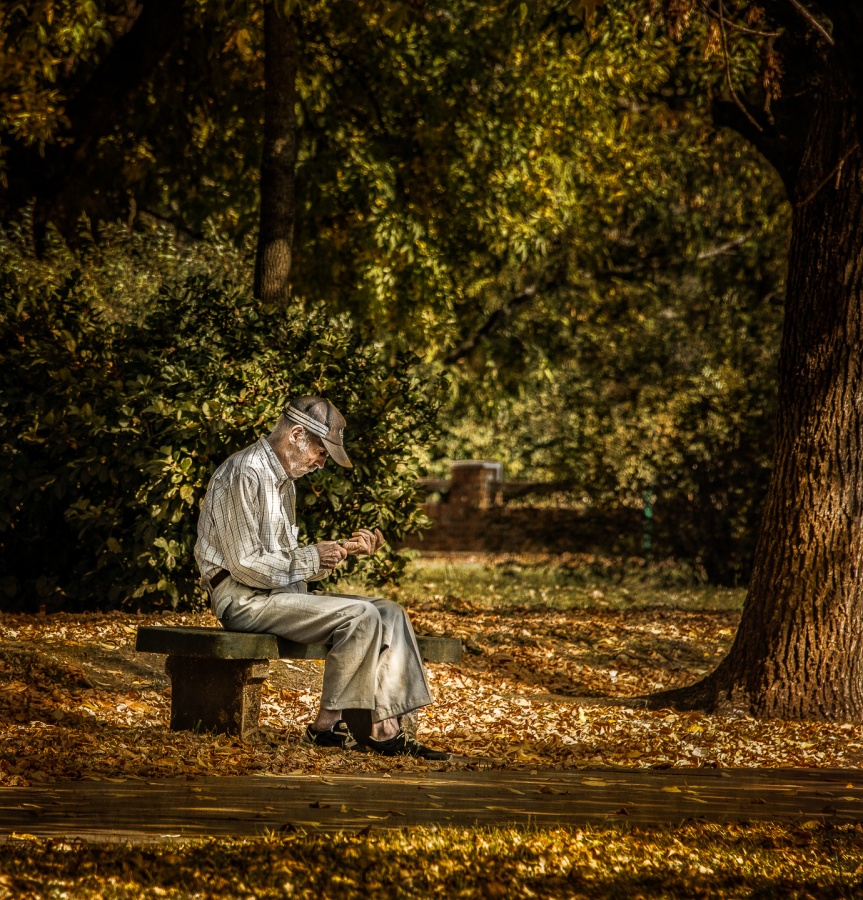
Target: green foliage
(113,416)
(465,154)
(453,163)
(453,158)
(39,42)
(658,376)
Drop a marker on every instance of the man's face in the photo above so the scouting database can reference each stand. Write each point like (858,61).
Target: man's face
(312,453)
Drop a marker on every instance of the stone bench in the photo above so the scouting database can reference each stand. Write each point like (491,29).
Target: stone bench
(216,675)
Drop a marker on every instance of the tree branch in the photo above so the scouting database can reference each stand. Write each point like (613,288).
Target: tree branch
(491,324)
(780,136)
(720,249)
(812,21)
(782,151)
(650,265)
(731,90)
(730,23)
(836,170)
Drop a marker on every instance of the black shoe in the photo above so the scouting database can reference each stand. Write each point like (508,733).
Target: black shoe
(402,745)
(338,736)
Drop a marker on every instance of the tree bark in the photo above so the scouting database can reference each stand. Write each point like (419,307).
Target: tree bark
(276,236)
(799,650)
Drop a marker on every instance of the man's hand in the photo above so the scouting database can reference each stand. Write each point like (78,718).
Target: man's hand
(331,553)
(364,542)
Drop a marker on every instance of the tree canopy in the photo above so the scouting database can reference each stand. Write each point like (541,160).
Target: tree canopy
(532,197)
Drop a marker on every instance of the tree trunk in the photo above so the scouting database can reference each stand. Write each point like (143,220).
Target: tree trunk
(799,649)
(275,240)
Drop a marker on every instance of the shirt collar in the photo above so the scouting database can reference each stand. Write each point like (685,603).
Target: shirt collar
(274,463)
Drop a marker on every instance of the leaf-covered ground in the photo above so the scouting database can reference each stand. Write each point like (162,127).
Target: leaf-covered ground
(76,701)
(697,861)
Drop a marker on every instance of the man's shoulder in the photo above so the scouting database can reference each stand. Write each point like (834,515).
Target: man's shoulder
(250,460)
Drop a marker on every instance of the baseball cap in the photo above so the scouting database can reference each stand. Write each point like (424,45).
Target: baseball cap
(320,417)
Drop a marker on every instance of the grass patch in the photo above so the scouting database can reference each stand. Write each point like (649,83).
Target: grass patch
(572,581)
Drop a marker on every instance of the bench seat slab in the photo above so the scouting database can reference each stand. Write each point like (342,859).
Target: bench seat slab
(205,643)
(218,643)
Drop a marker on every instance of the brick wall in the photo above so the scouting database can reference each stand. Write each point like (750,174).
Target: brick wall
(473,516)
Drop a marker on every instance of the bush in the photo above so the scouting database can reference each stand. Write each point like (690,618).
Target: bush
(118,403)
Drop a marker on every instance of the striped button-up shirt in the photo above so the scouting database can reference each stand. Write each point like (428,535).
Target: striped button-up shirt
(248,524)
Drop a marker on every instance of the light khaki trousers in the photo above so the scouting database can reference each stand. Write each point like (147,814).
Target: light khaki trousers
(373,662)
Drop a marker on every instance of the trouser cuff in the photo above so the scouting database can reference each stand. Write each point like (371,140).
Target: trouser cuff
(379,714)
(336,705)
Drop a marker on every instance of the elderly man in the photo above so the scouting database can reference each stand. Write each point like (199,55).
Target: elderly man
(257,573)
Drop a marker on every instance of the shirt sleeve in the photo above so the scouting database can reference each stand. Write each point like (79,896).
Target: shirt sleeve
(318,576)
(237,518)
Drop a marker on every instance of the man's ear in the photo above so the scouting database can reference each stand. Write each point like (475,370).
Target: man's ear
(296,433)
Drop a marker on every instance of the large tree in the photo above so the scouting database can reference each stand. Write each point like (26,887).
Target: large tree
(797,653)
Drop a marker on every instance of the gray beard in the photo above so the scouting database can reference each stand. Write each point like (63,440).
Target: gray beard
(295,469)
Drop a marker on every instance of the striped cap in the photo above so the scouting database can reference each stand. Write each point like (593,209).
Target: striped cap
(320,417)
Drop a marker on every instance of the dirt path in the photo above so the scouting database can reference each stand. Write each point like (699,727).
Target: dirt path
(245,806)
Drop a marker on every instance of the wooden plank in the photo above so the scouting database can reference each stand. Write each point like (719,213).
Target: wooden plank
(439,649)
(293,650)
(249,805)
(209,643)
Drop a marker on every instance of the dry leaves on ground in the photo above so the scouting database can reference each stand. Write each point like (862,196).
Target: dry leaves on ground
(794,863)
(76,701)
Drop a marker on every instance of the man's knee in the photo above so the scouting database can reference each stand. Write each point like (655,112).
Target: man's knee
(364,616)
(389,610)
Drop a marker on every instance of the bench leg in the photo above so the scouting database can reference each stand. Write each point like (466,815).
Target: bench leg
(222,695)
(360,723)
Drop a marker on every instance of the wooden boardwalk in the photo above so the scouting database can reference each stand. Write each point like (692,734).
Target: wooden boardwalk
(247,806)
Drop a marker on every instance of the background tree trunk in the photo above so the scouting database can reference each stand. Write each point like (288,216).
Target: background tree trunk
(275,240)
(799,649)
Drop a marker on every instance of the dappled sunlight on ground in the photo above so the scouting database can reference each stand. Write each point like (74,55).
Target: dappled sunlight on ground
(535,688)
(647,862)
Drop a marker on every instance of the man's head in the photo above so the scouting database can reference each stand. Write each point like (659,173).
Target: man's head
(321,419)
(309,430)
